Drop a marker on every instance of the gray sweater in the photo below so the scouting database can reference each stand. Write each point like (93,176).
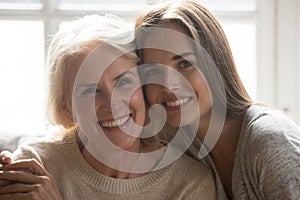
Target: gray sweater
(267,160)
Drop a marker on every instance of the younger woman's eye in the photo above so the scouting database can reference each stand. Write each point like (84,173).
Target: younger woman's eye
(153,71)
(122,82)
(185,64)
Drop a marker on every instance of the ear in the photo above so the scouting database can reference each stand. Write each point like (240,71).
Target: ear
(66,113)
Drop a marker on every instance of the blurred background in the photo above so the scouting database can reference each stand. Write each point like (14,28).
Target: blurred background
(264,36)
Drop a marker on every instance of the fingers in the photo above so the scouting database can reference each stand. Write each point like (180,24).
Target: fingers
(5,182)
(18,188)
(27,185)
(18,196)
(21,177)
(29,165)
(5,157)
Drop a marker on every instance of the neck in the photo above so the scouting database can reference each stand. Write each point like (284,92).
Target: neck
(106,170)
(224,133)
(228,140)
(139,148)
(223,150)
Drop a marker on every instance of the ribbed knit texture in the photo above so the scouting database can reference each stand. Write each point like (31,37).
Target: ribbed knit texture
(76,179)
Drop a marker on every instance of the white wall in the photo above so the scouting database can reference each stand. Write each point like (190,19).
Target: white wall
(278,55)
(287,61)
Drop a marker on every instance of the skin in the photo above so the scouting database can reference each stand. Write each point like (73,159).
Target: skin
(223,152)
(118,78)
(27,179)
(184,65)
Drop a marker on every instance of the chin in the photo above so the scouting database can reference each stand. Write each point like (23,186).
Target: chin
(177,122)
(126,143)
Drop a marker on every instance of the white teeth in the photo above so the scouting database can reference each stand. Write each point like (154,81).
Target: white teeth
(115,123)
(177,102)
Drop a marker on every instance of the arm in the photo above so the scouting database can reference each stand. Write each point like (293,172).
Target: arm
(280,173)
(277,158)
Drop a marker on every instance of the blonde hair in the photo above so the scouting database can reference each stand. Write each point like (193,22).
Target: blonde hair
(75,39)
(206,31)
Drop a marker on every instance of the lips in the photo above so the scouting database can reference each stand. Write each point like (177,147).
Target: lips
(115,122)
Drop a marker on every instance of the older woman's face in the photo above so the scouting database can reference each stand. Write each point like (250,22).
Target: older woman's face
(178,100)
(118,97)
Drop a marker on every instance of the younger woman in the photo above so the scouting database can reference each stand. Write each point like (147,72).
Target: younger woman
(254,151)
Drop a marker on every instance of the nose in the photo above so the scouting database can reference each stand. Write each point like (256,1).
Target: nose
(103,102)
(171,79)
(108,101)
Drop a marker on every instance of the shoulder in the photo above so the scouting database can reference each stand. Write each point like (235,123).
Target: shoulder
(42,148)
(191,166)
(194,179)
(269,149)
(265,129)
(265,118)
(192,171)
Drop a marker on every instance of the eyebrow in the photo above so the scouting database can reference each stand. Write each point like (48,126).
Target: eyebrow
(124,73)
(88,85)
(150,64)
(180,56)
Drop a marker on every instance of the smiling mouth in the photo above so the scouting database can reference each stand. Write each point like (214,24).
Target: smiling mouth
(114,123)
(177,102)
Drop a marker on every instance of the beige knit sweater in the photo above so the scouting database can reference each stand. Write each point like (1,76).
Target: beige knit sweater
(76,179)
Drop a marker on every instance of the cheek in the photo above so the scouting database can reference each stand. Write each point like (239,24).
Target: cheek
(151,93)
(137,105)
(204,96)
(137,98)
(201,90)
(85,109)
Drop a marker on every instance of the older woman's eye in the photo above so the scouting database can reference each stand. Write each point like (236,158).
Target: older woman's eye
(185,64)
(122,82)
(90,90)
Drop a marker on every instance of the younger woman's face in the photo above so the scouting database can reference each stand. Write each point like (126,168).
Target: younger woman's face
(179,101)
(118,97)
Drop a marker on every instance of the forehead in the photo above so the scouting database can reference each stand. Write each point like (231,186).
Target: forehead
(94,64)
(168,37)
(119,66)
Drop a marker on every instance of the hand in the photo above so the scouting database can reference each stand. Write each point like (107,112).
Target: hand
(30,182)
(5,157)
